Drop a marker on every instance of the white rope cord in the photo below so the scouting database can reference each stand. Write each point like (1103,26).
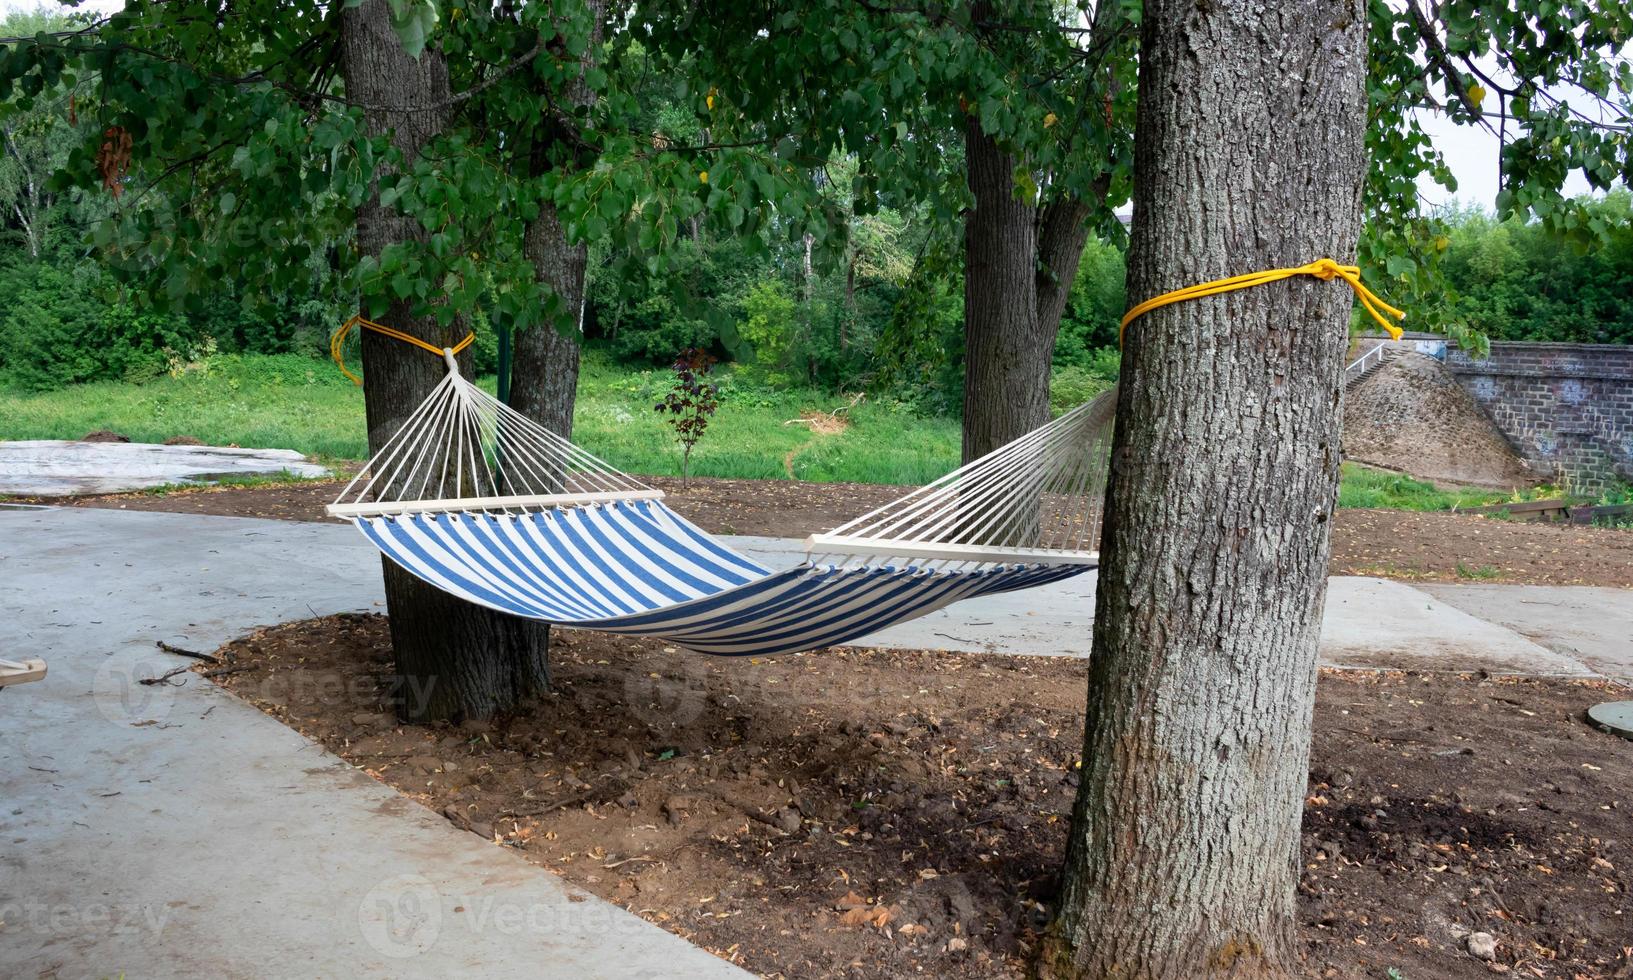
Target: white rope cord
(464,450)
(1042,492)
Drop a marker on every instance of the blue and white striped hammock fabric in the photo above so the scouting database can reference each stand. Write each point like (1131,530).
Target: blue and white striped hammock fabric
(637,567)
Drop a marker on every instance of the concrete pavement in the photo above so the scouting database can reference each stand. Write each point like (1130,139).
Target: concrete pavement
(1594,626)
(158,831)
(1368,622)
(176,831)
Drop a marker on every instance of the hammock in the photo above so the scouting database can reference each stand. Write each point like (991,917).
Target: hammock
(481,502)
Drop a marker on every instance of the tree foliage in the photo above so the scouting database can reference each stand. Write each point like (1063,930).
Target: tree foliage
(1547,79)
(247,156)
(1518,280)
(727,148)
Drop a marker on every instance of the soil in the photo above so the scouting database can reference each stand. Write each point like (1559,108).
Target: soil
(890,814)
(1382,543)
(103,435)
(1412,416)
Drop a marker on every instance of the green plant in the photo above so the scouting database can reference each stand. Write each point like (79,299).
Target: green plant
(1480,572)
(690,403)
(1364,486)
(1073,385)
(771,326)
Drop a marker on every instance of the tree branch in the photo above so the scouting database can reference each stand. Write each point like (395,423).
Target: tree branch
(1442,59)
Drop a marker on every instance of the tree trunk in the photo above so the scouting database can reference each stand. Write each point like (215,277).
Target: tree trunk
(1019,264)
(1020,260)
(455,660)
(1183,852)
(1007,346)
(545,374)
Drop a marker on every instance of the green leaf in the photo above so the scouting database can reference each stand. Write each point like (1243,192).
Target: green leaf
(413,20)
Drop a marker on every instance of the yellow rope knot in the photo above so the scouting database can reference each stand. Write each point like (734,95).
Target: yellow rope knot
(338,340)
(1324,269)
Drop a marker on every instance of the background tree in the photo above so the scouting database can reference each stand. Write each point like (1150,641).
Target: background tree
(1183,849)
(1518,280)
(1548,80)
(1034,98)
(32,145)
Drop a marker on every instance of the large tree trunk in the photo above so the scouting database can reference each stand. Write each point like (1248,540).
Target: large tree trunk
(1006,350)
(545,377)
(1183,852)
(1019,263)
(455,660)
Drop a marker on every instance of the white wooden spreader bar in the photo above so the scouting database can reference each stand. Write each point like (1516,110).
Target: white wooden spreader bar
(387,507)
(21,672)
(846,544)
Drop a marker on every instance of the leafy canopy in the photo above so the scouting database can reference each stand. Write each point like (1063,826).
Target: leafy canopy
(246,157)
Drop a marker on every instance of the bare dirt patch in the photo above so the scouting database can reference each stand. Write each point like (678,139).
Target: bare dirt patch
(1413,417)
(1383,543)
(1446,547)
(891,814)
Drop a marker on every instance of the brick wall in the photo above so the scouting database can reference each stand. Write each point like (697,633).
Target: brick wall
(1568,408)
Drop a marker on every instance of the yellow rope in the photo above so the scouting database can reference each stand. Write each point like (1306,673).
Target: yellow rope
(1323,269)
(337,341)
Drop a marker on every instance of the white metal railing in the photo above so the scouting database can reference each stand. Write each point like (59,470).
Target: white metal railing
(1361,365)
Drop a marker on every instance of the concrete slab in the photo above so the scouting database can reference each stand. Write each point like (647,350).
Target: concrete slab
(1368,622)
(1592,625)
(1372,622)
(176,831)
(60,468)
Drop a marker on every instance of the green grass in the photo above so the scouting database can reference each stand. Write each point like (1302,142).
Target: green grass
(291,402)
(756,433)
(1364,486)
(253,400)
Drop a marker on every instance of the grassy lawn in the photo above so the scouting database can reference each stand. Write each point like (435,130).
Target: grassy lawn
(290,402)
(1364,486)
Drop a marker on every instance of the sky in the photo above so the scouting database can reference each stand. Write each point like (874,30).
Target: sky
(1470,151)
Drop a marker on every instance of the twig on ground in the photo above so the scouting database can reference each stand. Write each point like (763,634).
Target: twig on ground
(548,807)
(178,651)
(164,678)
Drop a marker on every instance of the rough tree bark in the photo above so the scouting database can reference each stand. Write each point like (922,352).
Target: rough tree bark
(455,660)
(1004,350)
(545,374)
(1183,852)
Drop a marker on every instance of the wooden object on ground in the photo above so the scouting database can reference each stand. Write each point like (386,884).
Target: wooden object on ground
(21,672)
(1554,510)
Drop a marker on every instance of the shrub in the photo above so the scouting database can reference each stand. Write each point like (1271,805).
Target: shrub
(690,403)
(55,331)
(654,328)
(769,324)
(1071,386)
